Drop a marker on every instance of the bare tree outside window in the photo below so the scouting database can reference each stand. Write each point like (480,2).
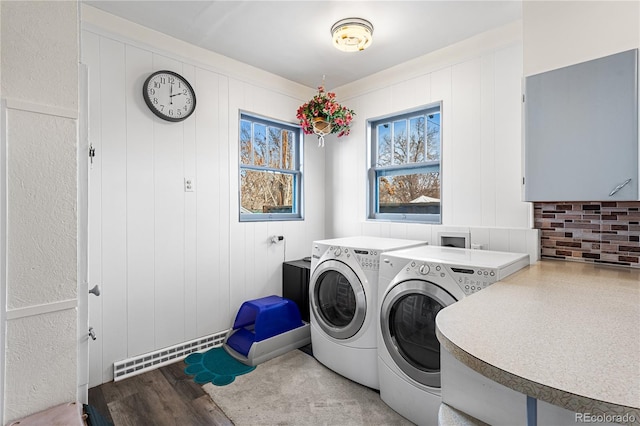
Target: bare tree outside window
(269,170)
(406,166)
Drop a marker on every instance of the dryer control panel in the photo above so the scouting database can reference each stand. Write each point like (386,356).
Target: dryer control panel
(471,280)
(369,260)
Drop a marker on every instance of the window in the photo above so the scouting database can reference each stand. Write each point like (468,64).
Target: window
(404,177)
(270,170)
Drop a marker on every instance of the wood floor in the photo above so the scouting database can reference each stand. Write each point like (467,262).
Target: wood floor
(165,396)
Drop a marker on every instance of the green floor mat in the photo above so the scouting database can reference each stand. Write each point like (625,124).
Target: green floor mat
(215,366)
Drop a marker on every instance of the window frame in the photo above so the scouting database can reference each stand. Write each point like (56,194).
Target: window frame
(374,172)
(296,171)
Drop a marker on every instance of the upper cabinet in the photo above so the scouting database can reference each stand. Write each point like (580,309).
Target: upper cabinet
(581,131)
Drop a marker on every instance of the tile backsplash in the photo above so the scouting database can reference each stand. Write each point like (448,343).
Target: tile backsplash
(597,232)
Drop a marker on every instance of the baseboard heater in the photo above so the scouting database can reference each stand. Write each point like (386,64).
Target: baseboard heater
(152,360)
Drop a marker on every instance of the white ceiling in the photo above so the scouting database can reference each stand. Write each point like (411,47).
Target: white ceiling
(292,38)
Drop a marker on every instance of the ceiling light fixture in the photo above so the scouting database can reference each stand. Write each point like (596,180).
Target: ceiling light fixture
(352,34)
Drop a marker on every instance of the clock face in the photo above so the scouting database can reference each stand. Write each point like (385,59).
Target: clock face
(169,95)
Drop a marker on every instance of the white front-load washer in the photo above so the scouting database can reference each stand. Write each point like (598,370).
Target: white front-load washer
(414,285)
(343,291)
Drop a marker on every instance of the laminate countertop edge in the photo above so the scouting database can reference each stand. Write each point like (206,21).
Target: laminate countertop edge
(457,336)
(568,400)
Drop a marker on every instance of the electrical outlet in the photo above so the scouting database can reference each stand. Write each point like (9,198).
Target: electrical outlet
(189,185)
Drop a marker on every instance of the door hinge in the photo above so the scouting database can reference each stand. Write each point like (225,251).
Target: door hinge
(523,97)
(92,153)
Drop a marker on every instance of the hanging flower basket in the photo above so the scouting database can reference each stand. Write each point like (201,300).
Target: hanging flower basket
(322,115)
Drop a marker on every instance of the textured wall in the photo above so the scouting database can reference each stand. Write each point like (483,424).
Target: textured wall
(41,368)
(40,52)
(42,216)
(40,84)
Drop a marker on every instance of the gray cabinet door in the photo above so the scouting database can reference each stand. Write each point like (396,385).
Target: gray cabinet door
(581,131)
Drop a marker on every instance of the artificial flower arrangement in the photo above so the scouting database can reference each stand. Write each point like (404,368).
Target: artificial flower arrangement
(322,115)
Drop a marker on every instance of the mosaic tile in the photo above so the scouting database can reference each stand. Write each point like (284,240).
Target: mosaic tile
(594,232)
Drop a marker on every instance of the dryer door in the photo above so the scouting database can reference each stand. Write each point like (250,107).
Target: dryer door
(337,299)
(408,325)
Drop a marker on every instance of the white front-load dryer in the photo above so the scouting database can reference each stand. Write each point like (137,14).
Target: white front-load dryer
(414,285)
(343,291)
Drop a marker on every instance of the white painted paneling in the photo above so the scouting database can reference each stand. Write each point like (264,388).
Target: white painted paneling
(499,239)
(487,163)
(263,258)
(249,254)
(561,33)
(205,262)
(464,146)
(408,94)
(275,257)
(168,156)
(114,198)
(481,237)
(140,206)
(238,100)
(441,91)
(180,263)
(510,211)
(421,232)
(518,240)
(480,95)
(210,204)
(224,178)
(315,202)
(190,219)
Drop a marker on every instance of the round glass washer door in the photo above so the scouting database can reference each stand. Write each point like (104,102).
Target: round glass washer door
(337,299)
(408,325)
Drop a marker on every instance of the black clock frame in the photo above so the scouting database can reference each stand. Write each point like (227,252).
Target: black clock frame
(147,100)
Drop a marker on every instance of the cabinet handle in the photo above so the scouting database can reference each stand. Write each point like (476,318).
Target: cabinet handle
(619,187)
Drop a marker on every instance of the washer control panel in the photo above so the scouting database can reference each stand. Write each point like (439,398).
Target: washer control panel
(369,260)
(469,279)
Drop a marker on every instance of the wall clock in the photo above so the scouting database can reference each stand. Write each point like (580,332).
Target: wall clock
(169,95)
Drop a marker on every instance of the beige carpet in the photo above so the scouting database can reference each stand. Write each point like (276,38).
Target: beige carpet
(295,389)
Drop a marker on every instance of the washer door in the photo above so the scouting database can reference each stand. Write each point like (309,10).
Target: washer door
(408,325)
(337,299)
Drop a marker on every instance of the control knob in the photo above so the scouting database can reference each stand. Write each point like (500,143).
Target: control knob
(424,269)
(338,252)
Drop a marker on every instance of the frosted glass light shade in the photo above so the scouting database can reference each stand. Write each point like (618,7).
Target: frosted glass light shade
(352,34)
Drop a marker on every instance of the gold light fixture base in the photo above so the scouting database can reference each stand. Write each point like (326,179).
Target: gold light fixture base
(352,34)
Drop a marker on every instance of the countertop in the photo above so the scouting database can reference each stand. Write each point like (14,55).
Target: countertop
(567,333)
